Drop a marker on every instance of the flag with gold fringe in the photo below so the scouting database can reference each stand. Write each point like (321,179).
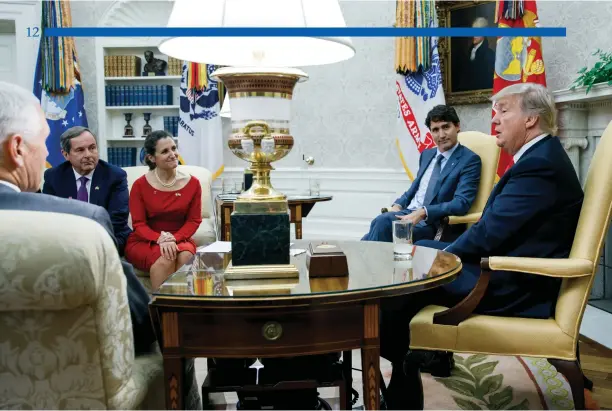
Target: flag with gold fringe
(517,59)
(57,82)
(418,82)
(200,127)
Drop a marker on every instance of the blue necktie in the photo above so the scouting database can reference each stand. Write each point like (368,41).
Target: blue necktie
(433,181)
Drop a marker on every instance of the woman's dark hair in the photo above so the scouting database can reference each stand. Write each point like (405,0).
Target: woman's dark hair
(442,113)
(150,144)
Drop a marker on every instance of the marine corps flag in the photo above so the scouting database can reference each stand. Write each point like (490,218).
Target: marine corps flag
(517,59)
(418,83)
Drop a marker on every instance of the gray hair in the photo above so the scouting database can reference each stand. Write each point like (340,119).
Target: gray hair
(535,99)
(19,112)
(71,133)
(480,22)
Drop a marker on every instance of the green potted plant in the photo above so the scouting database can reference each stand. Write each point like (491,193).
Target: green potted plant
(600,73)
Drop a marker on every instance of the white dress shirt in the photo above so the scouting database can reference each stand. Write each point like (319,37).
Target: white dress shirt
(419,197)
(473,53)
(526,147)
(78,182)
(10,185)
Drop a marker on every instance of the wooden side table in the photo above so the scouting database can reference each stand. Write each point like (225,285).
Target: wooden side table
(299,207)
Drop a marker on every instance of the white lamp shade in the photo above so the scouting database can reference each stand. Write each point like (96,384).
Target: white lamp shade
(226,111)
(258,51)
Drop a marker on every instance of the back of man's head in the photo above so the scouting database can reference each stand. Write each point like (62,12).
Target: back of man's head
(19,113)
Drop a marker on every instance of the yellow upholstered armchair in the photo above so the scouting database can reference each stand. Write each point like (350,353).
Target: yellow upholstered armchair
(485,146)
(459,330)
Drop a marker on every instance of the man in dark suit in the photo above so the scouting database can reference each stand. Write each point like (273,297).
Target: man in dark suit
(83,176)
(446,183)
(23,151)
(533,211)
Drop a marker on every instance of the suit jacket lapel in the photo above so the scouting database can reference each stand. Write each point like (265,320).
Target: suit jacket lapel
(429,154)
(496,189)
(533,147)
(94,189)
(450,164)
(505,177)
(68,183)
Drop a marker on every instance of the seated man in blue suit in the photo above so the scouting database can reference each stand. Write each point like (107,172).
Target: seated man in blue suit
(533,211)
(83,176)
(446,183)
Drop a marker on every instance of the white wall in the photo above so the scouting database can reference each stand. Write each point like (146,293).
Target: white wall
(23,54)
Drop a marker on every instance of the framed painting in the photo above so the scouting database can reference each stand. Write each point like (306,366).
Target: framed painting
(467,63)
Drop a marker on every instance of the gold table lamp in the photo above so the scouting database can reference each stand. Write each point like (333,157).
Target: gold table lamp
(256,72)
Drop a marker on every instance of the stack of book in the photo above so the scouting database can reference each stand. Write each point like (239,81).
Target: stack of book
(159,95)
(171,125)
(122,66)
(175,67)
(122,156)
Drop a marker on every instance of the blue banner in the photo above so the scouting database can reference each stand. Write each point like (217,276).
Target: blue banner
(61,110)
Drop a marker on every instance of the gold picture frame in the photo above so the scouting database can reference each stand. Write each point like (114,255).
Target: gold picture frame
(467,76)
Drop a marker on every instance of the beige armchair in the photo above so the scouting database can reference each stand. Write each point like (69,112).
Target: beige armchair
(206,234)
(66,340)
(486,147)
(459,330)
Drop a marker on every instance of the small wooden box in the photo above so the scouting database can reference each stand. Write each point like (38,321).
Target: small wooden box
(326,260)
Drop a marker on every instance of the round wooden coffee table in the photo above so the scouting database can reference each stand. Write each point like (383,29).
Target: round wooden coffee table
(198,313)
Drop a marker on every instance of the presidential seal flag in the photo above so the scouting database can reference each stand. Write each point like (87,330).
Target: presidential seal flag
(57,82)
(418,91)
(517,59)
(200,133)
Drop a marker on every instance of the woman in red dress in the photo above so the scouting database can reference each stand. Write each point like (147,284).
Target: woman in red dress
(166,209)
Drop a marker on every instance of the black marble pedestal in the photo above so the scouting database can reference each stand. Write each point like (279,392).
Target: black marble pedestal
(259,239)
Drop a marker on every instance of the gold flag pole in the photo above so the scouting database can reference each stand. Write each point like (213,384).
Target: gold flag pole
(405,47)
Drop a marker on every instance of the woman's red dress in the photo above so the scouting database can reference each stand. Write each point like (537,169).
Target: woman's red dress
(153,211)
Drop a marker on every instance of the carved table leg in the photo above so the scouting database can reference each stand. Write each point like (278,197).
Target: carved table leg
(173,374)
(370,357)
(174,367)
(346,397)
(298,221)
(227,229)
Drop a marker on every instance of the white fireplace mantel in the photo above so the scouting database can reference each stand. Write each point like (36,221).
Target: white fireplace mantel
(582,119)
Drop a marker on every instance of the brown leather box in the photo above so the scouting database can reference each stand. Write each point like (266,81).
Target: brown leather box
(326,259)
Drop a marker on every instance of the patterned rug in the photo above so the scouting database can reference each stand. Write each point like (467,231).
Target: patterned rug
(478,382)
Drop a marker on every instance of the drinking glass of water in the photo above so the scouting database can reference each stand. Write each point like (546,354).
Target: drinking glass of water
(402,239)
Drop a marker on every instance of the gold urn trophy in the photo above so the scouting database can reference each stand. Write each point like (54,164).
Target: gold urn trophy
(261,112)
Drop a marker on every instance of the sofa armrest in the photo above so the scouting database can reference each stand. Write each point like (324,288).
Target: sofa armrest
(143,387)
